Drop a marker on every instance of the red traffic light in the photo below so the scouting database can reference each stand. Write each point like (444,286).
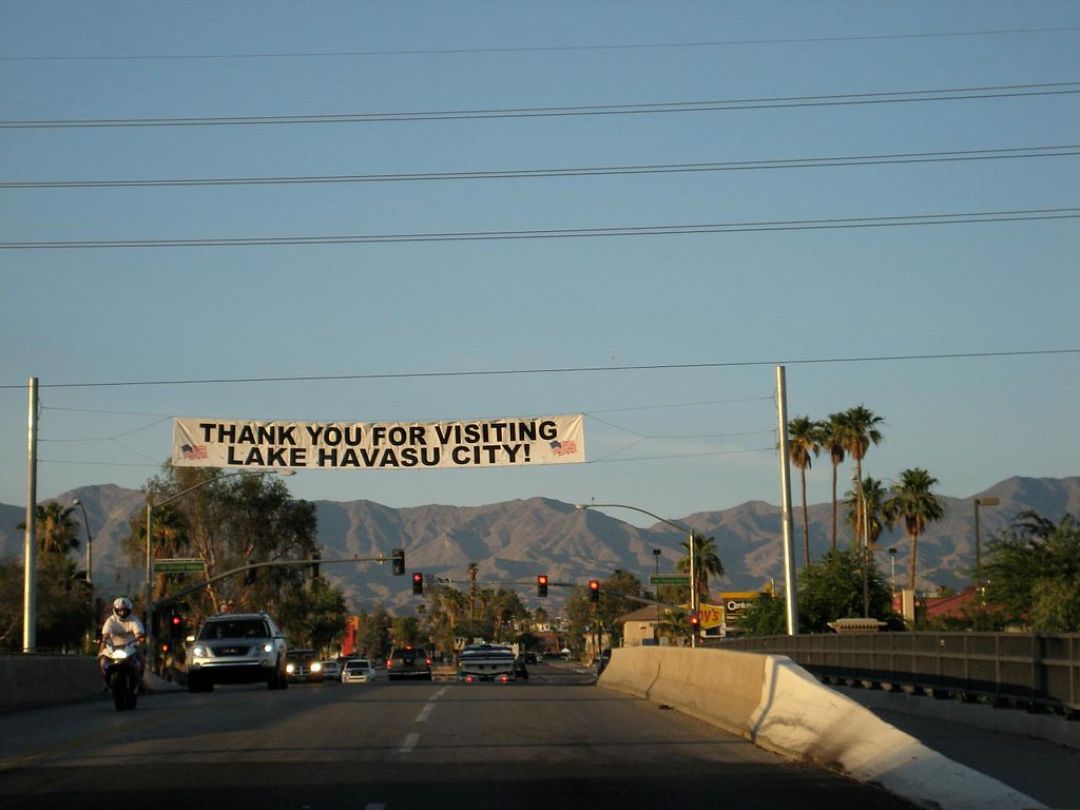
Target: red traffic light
(694,620)
(594,590)
(417,583)
(176,621)
(541,585)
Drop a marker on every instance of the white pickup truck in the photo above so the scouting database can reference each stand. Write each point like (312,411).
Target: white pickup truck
(486,662)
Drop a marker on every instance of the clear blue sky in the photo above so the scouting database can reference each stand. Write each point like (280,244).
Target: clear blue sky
(723,306)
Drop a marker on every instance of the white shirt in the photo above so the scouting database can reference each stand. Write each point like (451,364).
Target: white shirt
(121,631)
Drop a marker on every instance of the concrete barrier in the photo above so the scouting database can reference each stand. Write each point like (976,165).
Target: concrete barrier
(27,681)
(780,707)
(30,681)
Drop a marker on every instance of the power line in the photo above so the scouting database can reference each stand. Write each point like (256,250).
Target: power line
(839,223)
(539,48)
(581,171)
(834,100)
(563,370)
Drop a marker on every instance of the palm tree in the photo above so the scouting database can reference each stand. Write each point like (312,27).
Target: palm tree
(874,496)
(804,439)
(834,431)
(915,504)
(706,563)
(861,431)
(57,531)
(472,569)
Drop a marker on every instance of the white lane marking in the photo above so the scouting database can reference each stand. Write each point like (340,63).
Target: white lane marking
(426,711)
(379,806)
(410,743)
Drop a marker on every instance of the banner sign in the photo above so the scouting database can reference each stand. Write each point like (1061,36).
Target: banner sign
(378,445)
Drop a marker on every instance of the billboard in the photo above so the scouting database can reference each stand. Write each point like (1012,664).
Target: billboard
(523,441)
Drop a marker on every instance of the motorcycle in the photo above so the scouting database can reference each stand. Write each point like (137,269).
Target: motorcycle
(122,671)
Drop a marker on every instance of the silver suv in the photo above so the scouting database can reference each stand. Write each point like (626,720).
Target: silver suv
(237,648)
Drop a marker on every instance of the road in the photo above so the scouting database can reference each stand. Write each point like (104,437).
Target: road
(555,740)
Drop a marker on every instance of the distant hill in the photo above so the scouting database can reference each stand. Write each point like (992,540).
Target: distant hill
(512,542)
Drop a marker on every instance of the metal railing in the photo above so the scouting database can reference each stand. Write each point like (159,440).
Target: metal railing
(1021,669)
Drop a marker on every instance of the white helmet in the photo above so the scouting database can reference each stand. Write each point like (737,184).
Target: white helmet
(121,607)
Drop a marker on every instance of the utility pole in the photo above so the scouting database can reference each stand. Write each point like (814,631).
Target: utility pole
(791,594)
(30,536)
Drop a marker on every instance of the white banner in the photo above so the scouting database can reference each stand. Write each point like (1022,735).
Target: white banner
(378,445)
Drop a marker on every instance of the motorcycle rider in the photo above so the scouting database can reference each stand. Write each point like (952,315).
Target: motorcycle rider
(122,627)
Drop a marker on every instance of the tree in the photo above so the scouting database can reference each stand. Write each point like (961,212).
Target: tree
(229,522)
(56,531)
(805,439)
(315,617)
(833,589)
(766,616)
(373,638)
(64,610)
(874,496)
(834,431)
(1033,570)
(861,431)
(706,562)
(914,503)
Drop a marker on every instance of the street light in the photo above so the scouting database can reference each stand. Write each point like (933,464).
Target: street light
(150,507)
(990,501)
(674,525)
(89,543)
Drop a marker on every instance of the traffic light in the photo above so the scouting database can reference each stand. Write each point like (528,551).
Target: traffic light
(176,626)
(541,585)
(594,590)
(399,562)
(695,623)
(417,583)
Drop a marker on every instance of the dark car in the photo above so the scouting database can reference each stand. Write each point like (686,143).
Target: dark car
(407,662)
(304,665)
(602,661)
(237,648)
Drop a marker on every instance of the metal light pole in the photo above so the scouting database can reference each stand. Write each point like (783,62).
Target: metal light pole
(674,525)
(150,507)
(990,501)
(892,566)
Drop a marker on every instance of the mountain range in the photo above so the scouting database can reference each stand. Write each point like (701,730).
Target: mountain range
(513,541)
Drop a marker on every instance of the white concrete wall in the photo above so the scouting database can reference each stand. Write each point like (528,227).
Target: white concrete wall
(779,706)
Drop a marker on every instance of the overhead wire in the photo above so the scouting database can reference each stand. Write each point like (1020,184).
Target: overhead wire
(836,223)
(580,171)
(563,369)
(829,100)
(537,48)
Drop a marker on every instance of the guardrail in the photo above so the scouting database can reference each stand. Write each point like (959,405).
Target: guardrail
(1020,669)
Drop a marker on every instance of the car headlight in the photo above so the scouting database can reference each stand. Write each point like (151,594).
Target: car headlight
(290,668)
(316,667)
(200,650)
(268,647)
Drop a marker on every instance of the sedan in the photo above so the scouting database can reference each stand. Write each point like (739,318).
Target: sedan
(358,670)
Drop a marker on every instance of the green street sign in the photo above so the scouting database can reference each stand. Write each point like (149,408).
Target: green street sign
(185,566)
(669,579)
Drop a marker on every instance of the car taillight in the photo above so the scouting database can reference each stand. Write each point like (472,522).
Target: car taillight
(504,679)
(468,679)
(389,663)
(427,661)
